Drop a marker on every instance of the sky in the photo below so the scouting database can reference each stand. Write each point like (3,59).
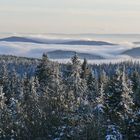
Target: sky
(70,16)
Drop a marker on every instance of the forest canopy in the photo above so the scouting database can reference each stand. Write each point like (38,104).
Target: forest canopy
(46,100)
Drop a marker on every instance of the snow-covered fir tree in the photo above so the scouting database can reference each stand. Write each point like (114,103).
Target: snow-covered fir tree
(119,101)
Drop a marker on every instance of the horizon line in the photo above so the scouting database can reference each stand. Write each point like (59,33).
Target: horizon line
(62,33)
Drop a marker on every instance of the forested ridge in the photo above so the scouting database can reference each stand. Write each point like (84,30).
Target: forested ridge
(45,100)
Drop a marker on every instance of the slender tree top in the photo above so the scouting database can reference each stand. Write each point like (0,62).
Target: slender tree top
(75,59)
(45,56)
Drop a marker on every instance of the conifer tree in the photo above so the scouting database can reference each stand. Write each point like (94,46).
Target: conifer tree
(4,79)
(119,100)
(77,86)
(85,69)
(5,118)
(43,70)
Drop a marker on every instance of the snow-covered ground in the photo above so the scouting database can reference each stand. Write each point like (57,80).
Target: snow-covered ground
(35,45)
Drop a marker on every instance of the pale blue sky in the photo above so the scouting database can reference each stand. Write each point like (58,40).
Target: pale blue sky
(70,16)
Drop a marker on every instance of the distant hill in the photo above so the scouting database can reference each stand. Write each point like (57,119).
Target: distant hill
(65,42)
(85,42)
(59,54)
(135,52)
(20,39)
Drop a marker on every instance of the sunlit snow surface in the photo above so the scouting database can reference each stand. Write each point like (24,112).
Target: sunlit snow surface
(110,53)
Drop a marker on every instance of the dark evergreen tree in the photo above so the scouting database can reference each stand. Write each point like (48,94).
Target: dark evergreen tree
(119,101)
(85,70)
(43,70)
(92,87)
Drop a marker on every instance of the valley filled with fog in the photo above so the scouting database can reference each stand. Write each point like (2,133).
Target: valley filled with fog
(61,47)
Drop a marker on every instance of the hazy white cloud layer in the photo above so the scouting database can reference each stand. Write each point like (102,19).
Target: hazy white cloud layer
(70,16)
(32,49)
(108,53)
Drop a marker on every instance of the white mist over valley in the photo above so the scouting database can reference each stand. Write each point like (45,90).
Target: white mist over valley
(61,47)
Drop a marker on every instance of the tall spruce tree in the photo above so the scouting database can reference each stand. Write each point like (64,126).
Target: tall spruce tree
(85,69)
(119,100)
(92,88)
